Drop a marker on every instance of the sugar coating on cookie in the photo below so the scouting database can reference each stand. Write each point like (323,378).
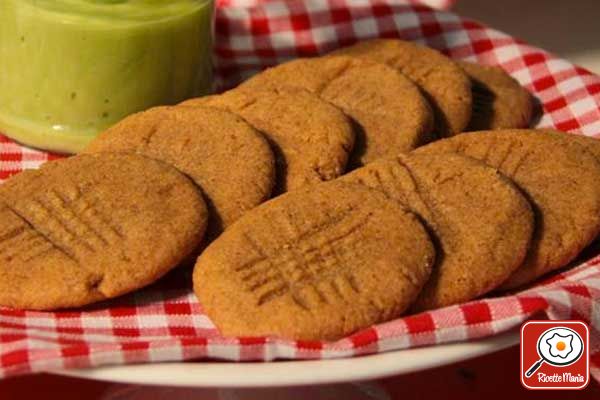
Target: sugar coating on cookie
(390,111)
(481,222)
(444,83)
(228,159)
(560,178)
(93,227)
(317,263)
(310,137)
(499,101)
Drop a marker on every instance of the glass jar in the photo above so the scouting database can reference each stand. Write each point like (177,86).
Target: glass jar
(71,68)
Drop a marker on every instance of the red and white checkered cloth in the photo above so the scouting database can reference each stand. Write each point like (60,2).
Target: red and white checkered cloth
(166,323)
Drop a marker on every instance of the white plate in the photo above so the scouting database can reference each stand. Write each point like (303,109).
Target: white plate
(292,373)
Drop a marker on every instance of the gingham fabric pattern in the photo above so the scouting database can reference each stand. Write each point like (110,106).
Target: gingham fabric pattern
(166,323)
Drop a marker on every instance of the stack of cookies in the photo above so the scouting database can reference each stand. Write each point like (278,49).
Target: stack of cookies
(381,206)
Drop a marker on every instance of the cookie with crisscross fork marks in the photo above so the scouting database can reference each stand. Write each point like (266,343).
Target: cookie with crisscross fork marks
(314,264)
(481,223)
(93,227)
(560,178)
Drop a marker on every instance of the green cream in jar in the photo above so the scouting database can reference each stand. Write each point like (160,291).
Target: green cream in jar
(71,68)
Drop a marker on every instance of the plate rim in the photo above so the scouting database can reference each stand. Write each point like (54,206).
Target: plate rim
(295,373)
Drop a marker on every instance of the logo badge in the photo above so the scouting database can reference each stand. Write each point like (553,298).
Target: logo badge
(554,355)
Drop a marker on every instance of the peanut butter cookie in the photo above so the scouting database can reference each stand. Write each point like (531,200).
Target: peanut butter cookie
(481,222)
(561,180)
(499,101)
(318,263)
(93,227)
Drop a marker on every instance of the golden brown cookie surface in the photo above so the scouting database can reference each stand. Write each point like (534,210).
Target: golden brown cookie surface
(591,144)
(317,263)
(562,182)
(310,137)
(499,101)
(447,87)
(481,222)
(93,227)
(228,159)
(389,108)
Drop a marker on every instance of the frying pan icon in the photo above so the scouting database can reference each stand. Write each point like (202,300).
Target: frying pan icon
(558,347)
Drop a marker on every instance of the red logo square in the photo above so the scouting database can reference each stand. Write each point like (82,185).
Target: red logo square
(554,355)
